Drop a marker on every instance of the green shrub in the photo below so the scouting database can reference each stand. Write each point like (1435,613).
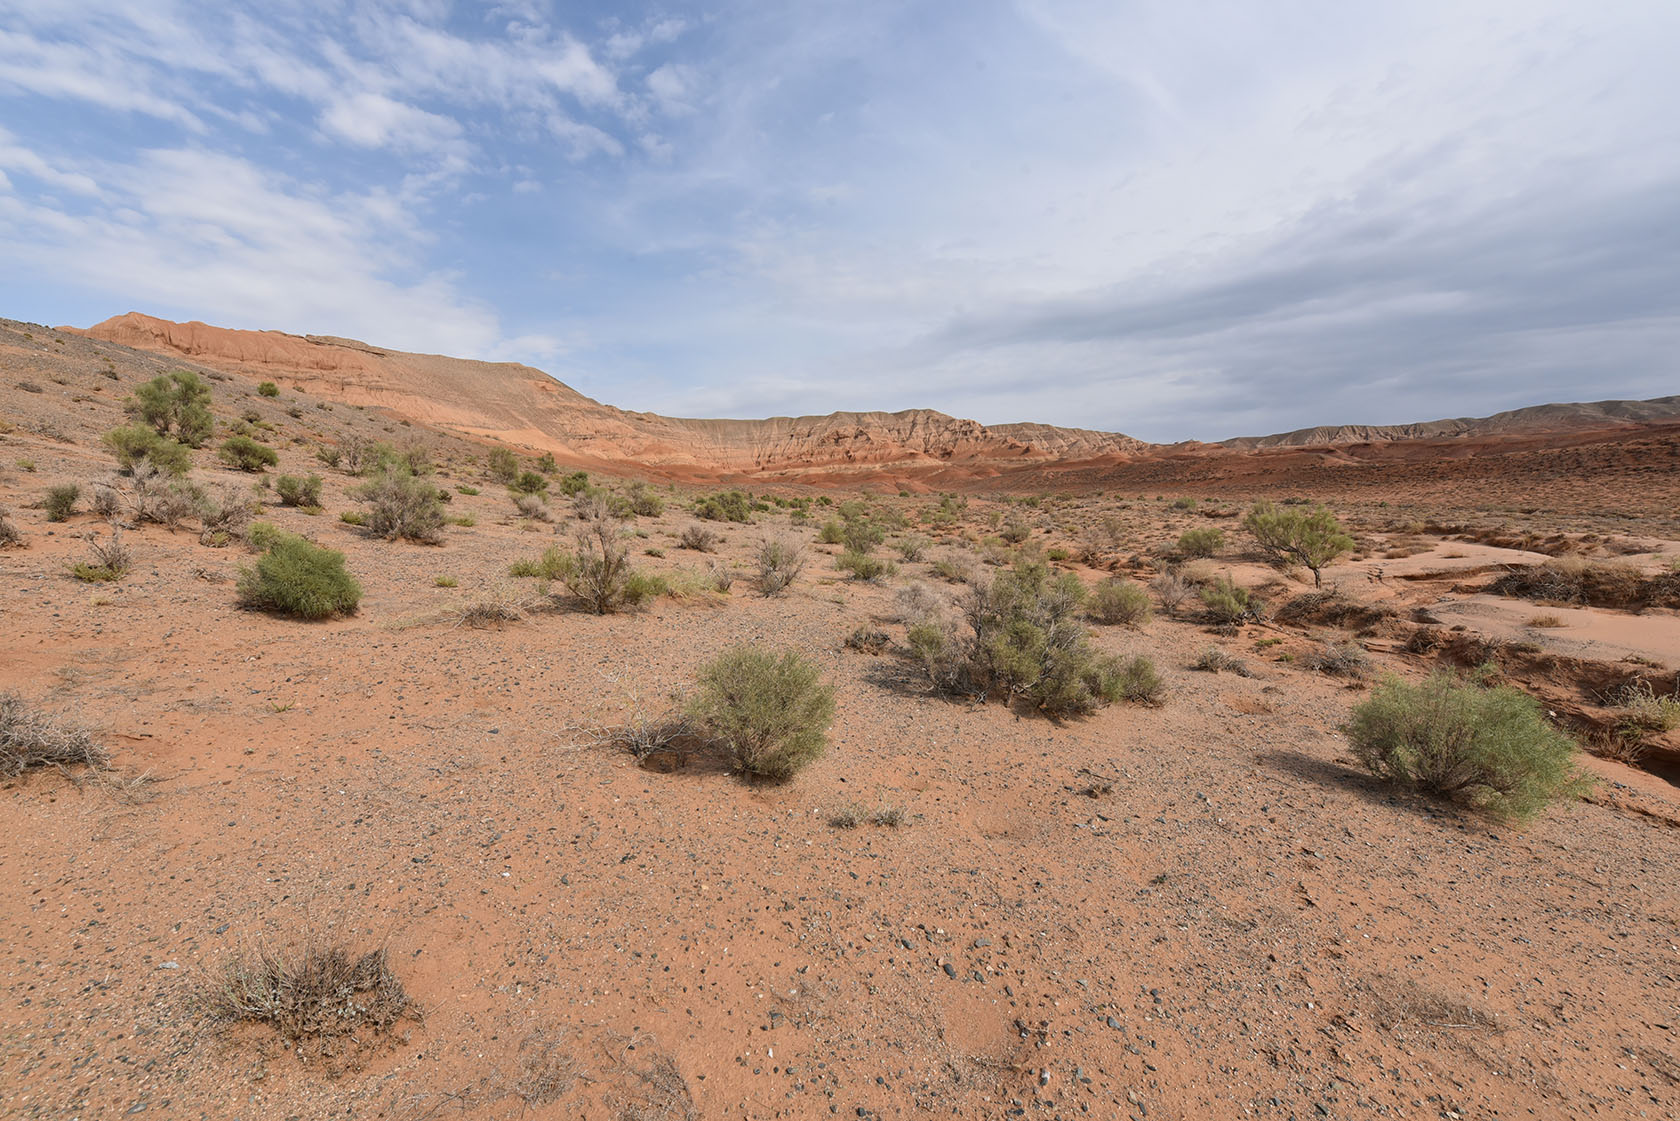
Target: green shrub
(175,404)
(1122,601)
(1139,682)
(862,566)
(246,454)
(833,532)
(726,506)
(1312,537)
(529,482)
(135,442)
(1201,542)
(353,517)
(296,577)
(1227,602)
(643,502)
(295,490)
(1015,531)
(912,549)
(268,389)
(61,501)
(262,535)
(546,464)
(466,490)
(772,714)
(111,560)
(1489,748)
(403,507)
(504,466)
(574,484)
(550,566)
(599,573)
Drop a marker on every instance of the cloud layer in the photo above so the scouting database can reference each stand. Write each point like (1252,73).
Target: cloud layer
(1176,221)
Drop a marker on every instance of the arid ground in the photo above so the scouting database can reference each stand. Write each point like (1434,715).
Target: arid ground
(1197,909)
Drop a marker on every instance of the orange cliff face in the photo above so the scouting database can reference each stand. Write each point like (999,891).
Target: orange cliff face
(521,406)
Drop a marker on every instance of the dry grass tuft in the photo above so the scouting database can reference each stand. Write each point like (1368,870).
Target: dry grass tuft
(320,994)
(40,739)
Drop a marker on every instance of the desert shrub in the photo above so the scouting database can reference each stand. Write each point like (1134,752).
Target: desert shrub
(1489,748)
(223,517)
(780,560)
(268,389)
(329,456)
(722,579)
(1215,660)
(954,571)
(320,994)
(1596,583)
(61,501)
(1332,609)
(698,537)
(402,506)
(353,517)
(503,466)
(726,506)
(862,566)
(643,502)
(415,458)
(10,535)
(546,463)
(32,738)
(1118,600)
(599,573)
(771,713)
(912,549)
(469,491)
(1184,503)
(860,535)
(832,532)
(105,500)
(550,566)
(296,490)
(175,404)
(1341,659)
(156,497)
(296,577)
(1138,681)
(111,560)
(1312,537)
(1641,711)
(1171,589)
(529,482)
(575,484)
(261,536)
(133,443)
(1015,531)
(531,506)
(1201,542)
(1021,636)
(247,454)
(1227,602)
(868,638)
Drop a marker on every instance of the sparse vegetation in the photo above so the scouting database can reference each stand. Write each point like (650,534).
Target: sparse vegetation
(503,466)
(31,738)
(1308,536)
(599,573)
(698,537)
(111,560)
(1120,601)
(862,566)
(1172,590)
(1226,602)
(1490,748)
(780,560)
(268,389)
(176,404)
(134,443)
(771,713)
(10,536)
(1595,583)
(319,994)
(727,506)
(296,577)
(401,506)
(1340,659)
(60,502)
(1201,542)
(1215,660)
(247,454)
(532,506)
(299,490)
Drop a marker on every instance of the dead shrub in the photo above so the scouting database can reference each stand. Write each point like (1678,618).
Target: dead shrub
(1575,579)
(868,639)
(780,560)
(318,995)
(1342,659)
(1331,609)
(31,738)
(497,608)
(532,506)
(1215,660)
(700,538)
(10,535)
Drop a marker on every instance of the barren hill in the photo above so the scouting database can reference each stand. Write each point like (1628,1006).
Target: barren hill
(1534,418)
(519,405)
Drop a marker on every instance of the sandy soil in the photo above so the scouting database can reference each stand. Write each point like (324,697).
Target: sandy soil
(1198,910)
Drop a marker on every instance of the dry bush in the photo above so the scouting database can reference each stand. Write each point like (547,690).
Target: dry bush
(1342,659)
(1331,609)
(780,560)
(1573,579)
(223,517)
(1546,621)
(722,578)
(919,601)
(299,490)
(1641,712)
(599,573)
(1201,542)
(31,738)
(912,549)
(10,535)
(157,497)
(532,506)
(1096,541)
(111,559)
(61,501)
(700,538)
(496,608)
(319,994)
(1215,660)
(869,639)
(106,500)
(402,506)
(865,567)
(1171,589)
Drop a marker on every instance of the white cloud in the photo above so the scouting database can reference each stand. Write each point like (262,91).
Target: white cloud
(373,120)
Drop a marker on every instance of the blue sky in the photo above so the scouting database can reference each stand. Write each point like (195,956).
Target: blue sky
(1172,219)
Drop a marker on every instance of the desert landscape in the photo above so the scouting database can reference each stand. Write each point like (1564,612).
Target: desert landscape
(1072,813)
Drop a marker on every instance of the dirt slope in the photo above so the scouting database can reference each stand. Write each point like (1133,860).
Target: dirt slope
(519,405)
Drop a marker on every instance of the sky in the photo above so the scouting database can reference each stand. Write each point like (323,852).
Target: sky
(1171,218)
